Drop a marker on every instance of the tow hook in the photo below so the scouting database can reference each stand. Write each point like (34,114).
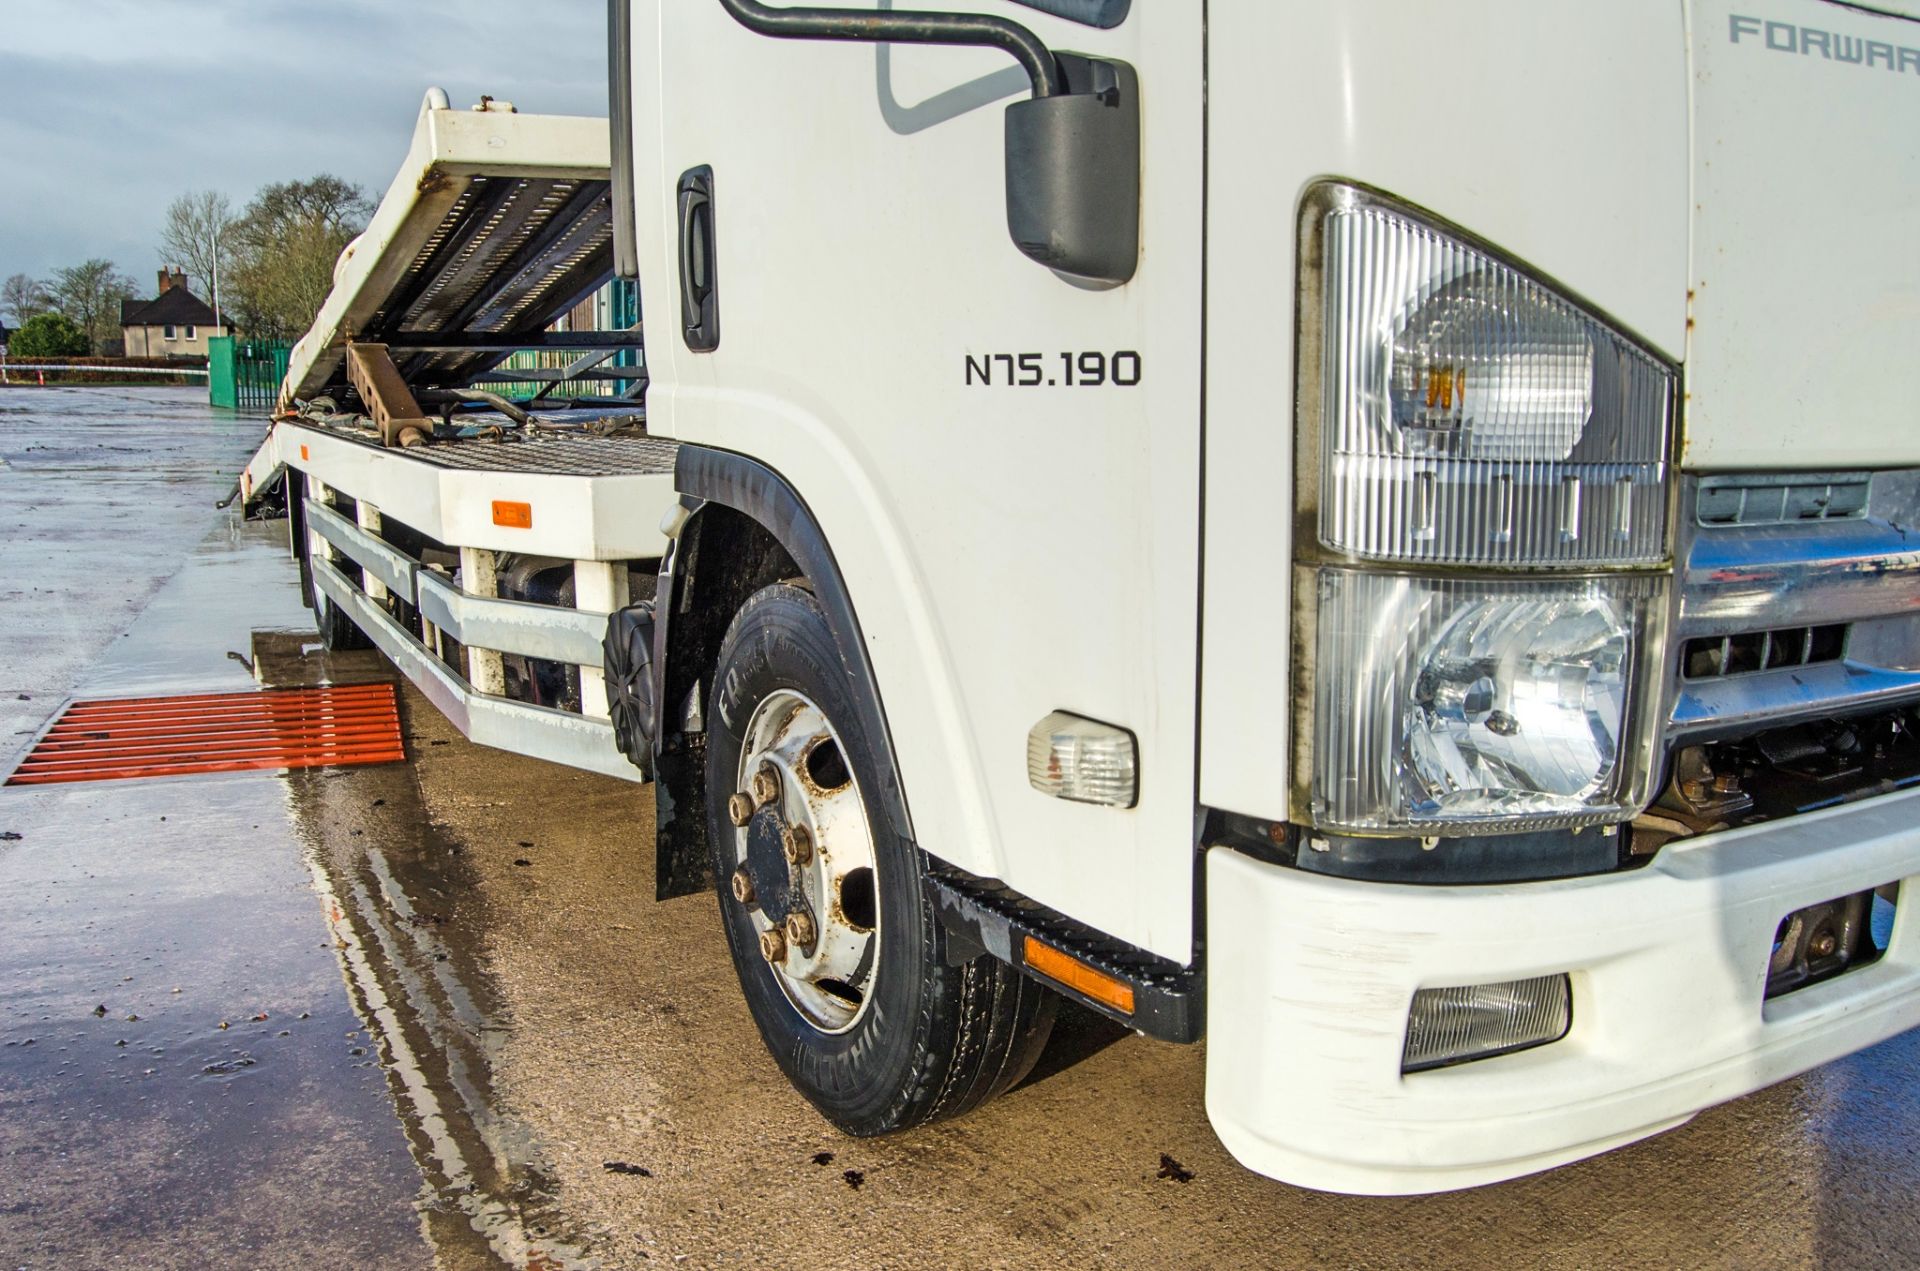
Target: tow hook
(1819,942)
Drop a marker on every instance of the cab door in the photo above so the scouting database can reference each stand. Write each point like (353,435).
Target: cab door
(1004,459)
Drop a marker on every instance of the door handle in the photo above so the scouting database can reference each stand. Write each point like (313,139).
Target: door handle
(699,282)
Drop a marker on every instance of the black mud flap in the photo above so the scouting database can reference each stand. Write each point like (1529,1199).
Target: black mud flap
(630,690)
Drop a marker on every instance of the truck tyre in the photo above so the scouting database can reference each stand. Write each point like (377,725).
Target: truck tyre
(827,909)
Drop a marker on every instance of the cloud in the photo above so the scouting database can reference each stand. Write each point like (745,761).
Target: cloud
(109,110)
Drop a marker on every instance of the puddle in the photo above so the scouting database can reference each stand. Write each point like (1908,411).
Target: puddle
(402,908)
(175,1086)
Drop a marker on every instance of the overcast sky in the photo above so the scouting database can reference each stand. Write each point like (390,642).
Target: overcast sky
(111,108)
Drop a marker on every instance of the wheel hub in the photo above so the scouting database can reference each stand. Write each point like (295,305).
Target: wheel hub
(807,851)
(766,861)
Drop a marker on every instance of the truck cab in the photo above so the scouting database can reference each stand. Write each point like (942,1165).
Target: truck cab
(1376,535)
(1437,619)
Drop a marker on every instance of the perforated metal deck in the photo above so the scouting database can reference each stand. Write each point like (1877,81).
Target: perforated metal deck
(497,224)
(538,453)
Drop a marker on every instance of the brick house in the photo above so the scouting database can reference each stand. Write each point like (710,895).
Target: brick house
(176,323)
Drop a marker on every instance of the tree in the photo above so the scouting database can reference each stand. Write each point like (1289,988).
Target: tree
(194,236)
(284,248)
(22,297)
(90,294)
(325,200)
(50,335)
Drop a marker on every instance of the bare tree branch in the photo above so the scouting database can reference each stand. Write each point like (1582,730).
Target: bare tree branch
(284,248)
(23,298)
(90,294)
(194,236)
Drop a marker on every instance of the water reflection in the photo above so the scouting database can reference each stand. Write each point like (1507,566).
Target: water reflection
(402,909)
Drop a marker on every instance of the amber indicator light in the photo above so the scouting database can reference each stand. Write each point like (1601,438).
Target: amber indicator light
(514,516)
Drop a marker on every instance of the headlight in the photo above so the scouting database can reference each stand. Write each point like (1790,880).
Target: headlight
(1480,704)
(1471,415)
(1478,451)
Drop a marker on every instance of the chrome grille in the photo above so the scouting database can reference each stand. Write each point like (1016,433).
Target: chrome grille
(1774,499)
(1751,652)
(1794,617)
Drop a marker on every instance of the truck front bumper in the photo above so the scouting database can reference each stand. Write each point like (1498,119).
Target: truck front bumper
(1310,980)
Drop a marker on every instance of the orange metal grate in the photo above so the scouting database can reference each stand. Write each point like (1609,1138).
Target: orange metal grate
(118,738)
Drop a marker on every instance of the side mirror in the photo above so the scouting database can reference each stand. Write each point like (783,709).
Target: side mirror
(1073,172)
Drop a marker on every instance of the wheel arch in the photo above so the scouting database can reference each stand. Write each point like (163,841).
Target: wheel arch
(747,528)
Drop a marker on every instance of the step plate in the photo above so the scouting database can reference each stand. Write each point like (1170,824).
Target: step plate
(118,739)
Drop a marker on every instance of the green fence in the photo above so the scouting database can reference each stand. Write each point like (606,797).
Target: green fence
(245,374)
(535,359)
(619,312)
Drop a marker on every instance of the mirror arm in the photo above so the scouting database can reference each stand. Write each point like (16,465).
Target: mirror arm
(885,27)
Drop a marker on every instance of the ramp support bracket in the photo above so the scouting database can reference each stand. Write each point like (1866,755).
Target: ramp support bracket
(371,371)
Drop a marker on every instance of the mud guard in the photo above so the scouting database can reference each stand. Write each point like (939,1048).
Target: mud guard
(747,528)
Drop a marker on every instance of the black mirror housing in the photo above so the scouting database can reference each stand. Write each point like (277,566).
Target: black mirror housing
(1073,172)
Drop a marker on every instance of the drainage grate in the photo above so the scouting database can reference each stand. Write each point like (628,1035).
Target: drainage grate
(119,738)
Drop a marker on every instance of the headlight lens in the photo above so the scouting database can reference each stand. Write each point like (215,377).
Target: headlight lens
(1472,704)
(1518,701)
(1471,414)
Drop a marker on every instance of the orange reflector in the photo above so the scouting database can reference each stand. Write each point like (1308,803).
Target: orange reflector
(515,516)
(1078,976)
(118,738)
(304,455)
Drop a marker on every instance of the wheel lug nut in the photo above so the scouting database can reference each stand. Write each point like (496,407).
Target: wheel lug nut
(766,785)
(743,886)
(799,845)
(773,945)
(800,929)
(740,809)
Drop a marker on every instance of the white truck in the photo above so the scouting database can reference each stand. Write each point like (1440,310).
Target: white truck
(1378,533)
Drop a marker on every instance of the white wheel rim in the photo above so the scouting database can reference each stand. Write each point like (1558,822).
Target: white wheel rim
(830,981)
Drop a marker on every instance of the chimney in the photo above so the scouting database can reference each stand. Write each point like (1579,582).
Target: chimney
(171,278)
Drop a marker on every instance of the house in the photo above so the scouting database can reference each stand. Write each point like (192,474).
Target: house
(176,323)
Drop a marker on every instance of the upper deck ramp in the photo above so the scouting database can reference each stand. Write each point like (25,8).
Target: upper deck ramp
(496,224)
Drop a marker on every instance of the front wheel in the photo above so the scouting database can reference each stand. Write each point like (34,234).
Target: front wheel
(827,911)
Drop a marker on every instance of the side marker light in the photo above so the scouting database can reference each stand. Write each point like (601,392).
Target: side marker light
(1084,760)
(1064,968)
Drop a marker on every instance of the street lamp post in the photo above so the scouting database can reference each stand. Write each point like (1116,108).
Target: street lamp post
(213,247)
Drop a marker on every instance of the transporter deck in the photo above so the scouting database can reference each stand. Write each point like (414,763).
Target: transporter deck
(577,447)
(578,497)
(496,224)
(551,454)
(478,541)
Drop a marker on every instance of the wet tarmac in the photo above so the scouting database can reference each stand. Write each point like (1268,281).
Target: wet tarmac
(484,1045)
